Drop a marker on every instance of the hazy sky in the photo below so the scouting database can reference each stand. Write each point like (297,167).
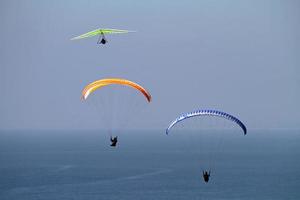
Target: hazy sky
(242,57)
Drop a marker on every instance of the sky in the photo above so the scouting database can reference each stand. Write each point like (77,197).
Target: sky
(241,57)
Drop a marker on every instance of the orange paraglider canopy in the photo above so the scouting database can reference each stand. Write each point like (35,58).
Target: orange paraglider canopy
(90,88)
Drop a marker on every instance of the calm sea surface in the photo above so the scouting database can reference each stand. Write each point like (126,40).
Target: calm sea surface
(147,165)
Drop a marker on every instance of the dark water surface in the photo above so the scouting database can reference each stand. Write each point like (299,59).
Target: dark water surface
(146,165)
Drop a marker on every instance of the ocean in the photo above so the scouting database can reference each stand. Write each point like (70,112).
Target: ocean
(147,165)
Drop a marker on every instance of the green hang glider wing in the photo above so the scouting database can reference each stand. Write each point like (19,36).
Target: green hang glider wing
(98,32)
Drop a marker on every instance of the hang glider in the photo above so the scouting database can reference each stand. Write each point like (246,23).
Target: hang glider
(101,33)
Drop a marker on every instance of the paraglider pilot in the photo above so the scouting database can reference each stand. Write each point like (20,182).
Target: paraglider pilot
(113,141)
(206,175)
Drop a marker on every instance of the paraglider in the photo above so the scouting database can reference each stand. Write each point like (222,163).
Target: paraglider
(200,113)
(205,113)
(90,88)
(96,85)
(101,33)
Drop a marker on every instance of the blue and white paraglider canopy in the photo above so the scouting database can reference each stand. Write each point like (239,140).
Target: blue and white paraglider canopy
(199,113)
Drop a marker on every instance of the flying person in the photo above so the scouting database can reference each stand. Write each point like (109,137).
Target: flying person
(97,85)
(102,39)
(113,141)
(206,176)
(201,113)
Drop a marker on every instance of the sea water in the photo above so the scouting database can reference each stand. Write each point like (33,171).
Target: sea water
(147,165)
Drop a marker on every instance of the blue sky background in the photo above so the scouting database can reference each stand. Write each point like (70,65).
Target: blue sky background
(238,56)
